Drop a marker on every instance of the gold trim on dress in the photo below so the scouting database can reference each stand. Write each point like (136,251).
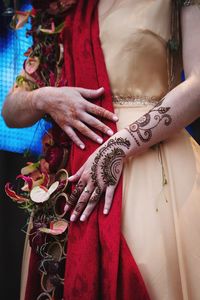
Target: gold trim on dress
(130,100)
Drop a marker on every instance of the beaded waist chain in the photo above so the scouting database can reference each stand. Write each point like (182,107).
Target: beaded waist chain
(132,100)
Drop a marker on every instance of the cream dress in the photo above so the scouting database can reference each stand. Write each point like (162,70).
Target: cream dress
(161,222)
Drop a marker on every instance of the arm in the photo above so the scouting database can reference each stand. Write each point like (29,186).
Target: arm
(67,106)
(18,109)
(179,108)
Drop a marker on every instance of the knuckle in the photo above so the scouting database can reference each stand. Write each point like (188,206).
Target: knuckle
(92,122)
(78,113)
(80,104)
(85,130)
(98,125)
(88,210)
(94,199)
(72,199)
(109,197)
(79,207)
(105,113)
(103,128)
(84,176)
(82,127)
(72,137)
(70,134)
(96,109)
(100,110)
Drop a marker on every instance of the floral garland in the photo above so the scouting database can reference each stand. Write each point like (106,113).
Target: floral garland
(42,187)
(43,66)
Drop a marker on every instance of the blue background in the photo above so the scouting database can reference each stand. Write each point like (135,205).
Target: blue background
(13,45)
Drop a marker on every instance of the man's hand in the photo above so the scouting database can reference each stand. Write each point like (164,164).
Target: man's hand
(71,110)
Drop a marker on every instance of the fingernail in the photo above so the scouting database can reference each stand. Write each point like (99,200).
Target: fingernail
(82,146)
(105,211)
(73,217)
(83,218)
(99,140)
(66,208)
(115,118)
(71,177)
(110,132)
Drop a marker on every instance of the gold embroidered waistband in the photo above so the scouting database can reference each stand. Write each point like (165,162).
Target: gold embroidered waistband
(131,100)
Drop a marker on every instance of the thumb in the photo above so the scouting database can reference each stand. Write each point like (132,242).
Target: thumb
(77,175)
(89,93)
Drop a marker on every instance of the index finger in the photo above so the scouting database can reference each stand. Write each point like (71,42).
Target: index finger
(101,112)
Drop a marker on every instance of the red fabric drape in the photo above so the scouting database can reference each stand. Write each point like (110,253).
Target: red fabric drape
(99,264)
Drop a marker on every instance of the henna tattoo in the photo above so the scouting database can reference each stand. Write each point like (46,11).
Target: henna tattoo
(94,199)
(80,206)
(111,166)
(141,130)
(107,165)
(75,194)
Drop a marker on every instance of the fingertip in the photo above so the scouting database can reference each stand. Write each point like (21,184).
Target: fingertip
(82,146)
(99,140)
(83,218)
(71,178)
(66,208)
(110,132)
(115,118)
(73,218)
(105,211)
(101,89)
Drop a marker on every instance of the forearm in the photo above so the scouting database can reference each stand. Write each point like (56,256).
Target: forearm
(178,109)
(19,109)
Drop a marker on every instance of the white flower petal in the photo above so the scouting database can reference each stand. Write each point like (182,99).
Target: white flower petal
(53,187)
(39,195)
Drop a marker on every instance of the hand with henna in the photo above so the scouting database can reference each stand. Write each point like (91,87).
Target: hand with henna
(179,108)
(69,107)
(100,174)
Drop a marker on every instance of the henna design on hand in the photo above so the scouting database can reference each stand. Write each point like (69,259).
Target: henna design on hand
(111,166)
(75,194)
(141,132)
(80,206)
(95,198)
(107,164)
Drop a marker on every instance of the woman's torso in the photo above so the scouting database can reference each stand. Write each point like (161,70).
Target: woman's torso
(134,36)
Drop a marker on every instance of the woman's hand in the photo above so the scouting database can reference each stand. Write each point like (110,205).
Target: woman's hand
(100,173)
(70,110)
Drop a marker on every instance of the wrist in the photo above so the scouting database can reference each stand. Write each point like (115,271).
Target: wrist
(120,140)
(37,99)
(132,149)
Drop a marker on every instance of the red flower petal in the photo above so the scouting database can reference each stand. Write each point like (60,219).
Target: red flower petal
(27,179)
(12,194)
